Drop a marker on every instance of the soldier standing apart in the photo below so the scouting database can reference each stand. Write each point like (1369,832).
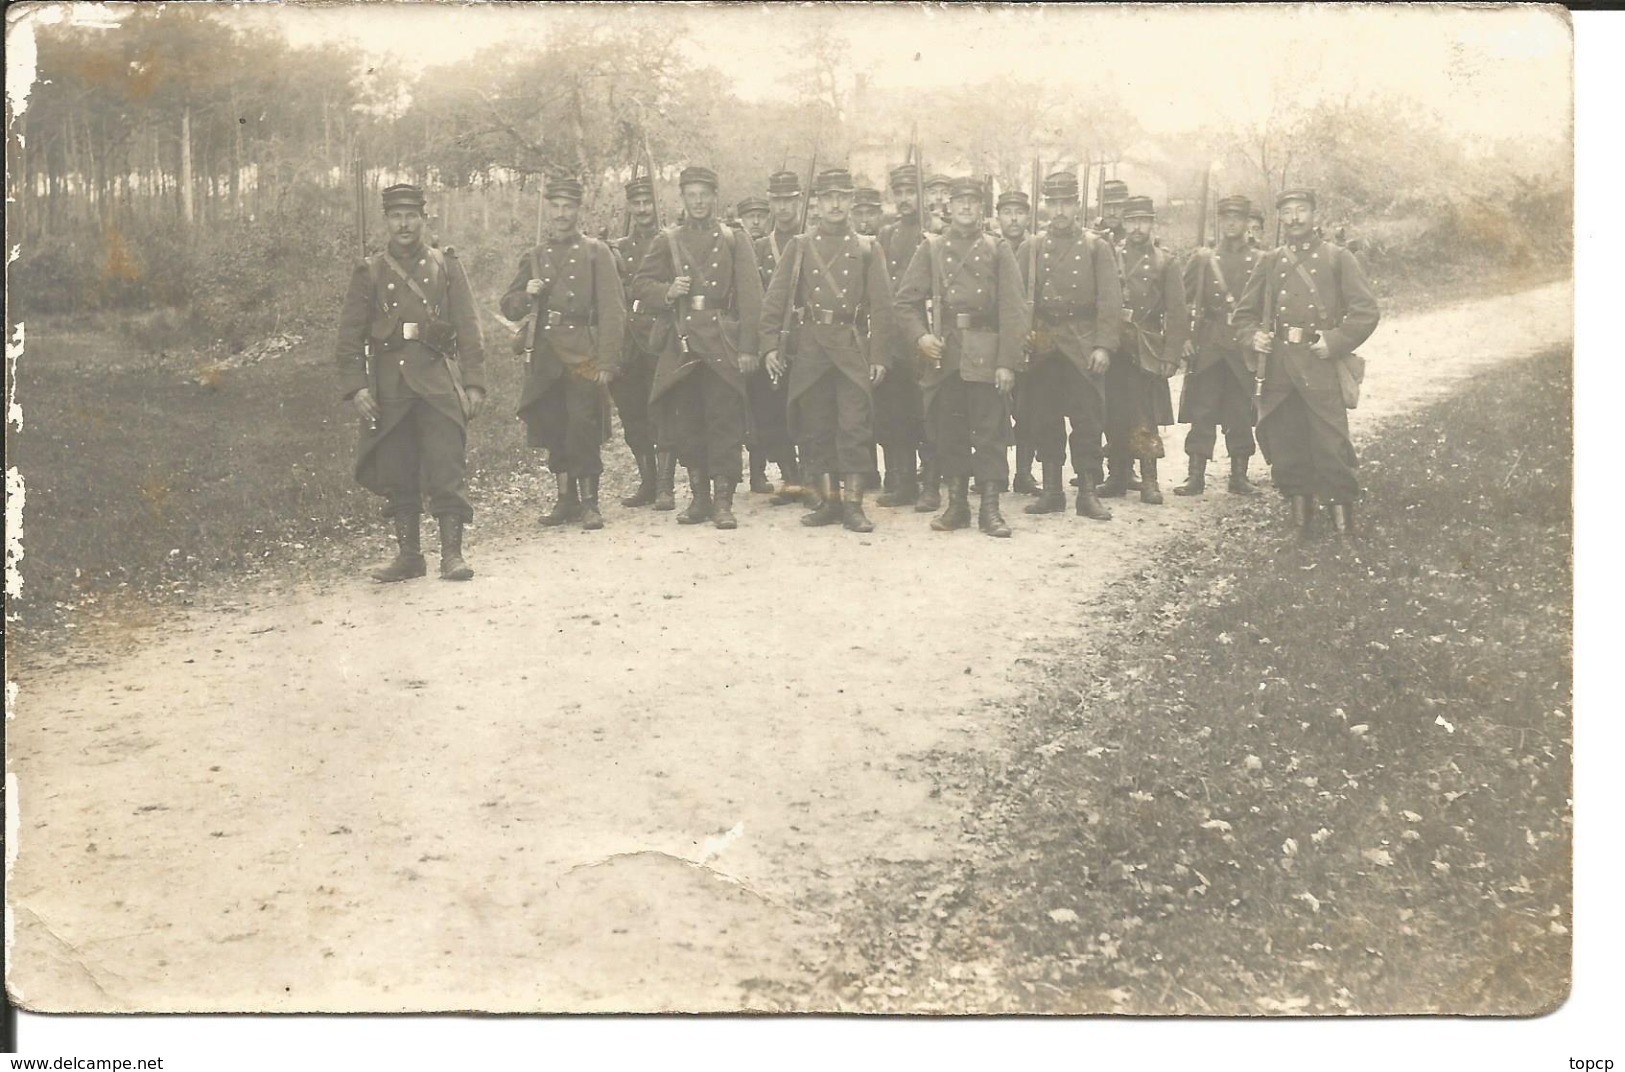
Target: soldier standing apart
(705,276)
(899,410)
(768,401)
(867,208)
(630,387)
(1306,308)
(970,369)
(1077,324)
(578,347)
(1219,387)
(1138,402)
(412,360)
(1014,212)
(842,282)
(753,212)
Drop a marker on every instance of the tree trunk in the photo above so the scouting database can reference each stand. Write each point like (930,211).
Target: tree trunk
(187,210)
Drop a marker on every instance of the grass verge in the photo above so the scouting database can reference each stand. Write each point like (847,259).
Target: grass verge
(1319,779)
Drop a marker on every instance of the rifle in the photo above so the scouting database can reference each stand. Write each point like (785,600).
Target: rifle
(626,210)
(536,314)
(368,364)
(933,312)
(1033,240)
(787,333)
(649,166)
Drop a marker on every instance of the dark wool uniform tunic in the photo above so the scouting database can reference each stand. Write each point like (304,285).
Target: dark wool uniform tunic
(769,404)
(967,420)
(899,408)
(1079,307)
(582,333)
(630,388)
(1138,401)
(831,411)
(1303,425)
(1218,390)
(699,397)
(418,450)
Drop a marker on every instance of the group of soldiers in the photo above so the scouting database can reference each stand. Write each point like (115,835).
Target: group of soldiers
(811,336)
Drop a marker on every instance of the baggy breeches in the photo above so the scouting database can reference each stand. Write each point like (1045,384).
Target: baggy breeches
(835,422)
(968,427)
(899,420)
(702,419)
(1309,454)
(1131,410)
(1052,393)
(630,391)
(769,406)
(1214,397)
(567,422)
(421,460)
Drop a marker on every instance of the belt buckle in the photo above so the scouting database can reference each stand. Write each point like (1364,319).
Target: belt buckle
(1128,315)
(1294,336)
(696,303)
(826,316)
(409,331)
(554,318)
(962,321)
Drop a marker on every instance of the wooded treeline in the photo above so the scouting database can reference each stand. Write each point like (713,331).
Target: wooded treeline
(173,160)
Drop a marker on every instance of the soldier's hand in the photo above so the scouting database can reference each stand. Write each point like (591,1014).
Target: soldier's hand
(476,402)
(1099,360)
(776,366)
(1320,349)
(877,374)
(365,405)
(749,363)
(535,287)
(930,346)
(1005,380)
(1262,341)
(1188,351)
(679,288)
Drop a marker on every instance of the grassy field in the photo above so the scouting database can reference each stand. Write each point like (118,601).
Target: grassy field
(1319,779)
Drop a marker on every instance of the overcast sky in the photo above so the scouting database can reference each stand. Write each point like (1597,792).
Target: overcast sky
(1485,71)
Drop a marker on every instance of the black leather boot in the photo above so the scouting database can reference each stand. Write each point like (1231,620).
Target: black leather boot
(931,490)
(1117,479)
(591,519)
(699,499)
(902,478)
(646,482)
(1150,493)
(567,507)
(1023,483)
(1342,518)
(1303,514)
(828,510)
(988,518)
(1089,504)
(852,515)
(452,566)
(791,489)
(722,511)
(1239,484)
(1052,499)
(957,515)
(1196,482)
(408,561)
(665,480)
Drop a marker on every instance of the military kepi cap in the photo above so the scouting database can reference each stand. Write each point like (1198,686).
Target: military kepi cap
(1061,186)
(1300,193)
(784,184)
(939,180)
(1235,205)
(403,195)
(697,174)
(867,195)
(903,176)
(1113,191)
(563,186)
(965,188)
(752,204)
(642,186)
(833,181)
(1015,198)
(1138,206)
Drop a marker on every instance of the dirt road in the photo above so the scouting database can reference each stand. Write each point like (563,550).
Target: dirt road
(630,770)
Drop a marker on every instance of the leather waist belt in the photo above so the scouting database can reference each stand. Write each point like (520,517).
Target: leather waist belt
(829,316)
(410,331)
(697,304)
(1152,324)
(1297,336)
(1066,310)
(555,319)
(975,322)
